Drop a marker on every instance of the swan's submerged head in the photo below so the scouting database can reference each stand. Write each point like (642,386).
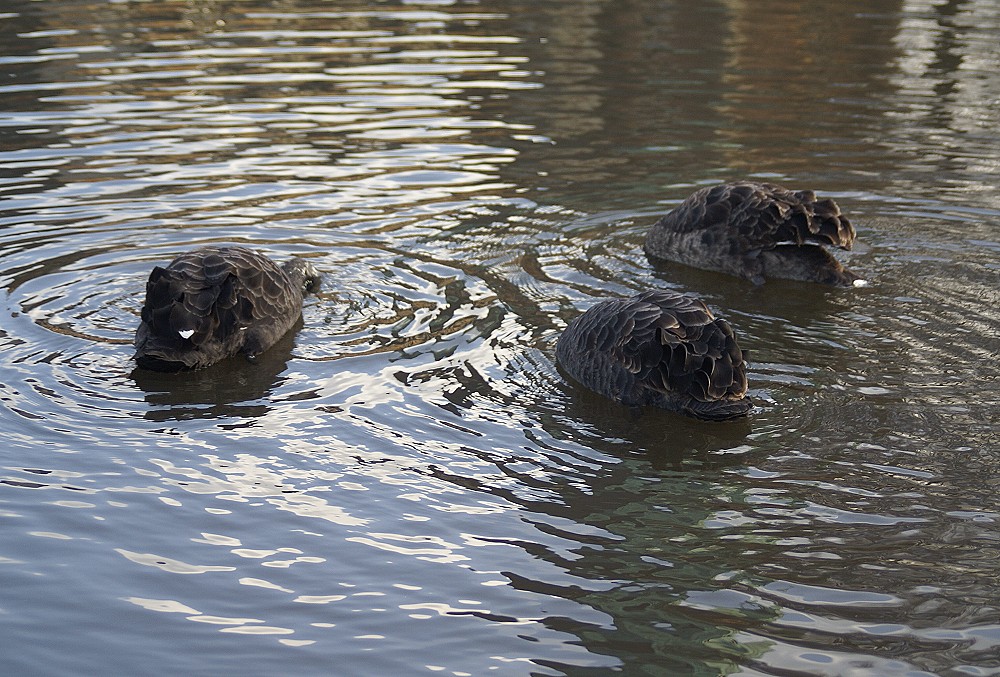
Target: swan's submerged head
(809,263)
(160,362)
(719,410)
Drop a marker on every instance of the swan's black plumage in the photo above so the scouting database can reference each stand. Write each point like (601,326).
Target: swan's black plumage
(756,231)
(658,348)
(214,302)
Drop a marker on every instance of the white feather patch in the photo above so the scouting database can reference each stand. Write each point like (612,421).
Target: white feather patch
(187,333)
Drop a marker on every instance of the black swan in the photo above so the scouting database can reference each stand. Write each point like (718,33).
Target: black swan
(658,348)
(214,302)
(756,231)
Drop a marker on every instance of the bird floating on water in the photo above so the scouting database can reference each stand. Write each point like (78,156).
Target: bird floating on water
(658,348)
(214,302)
(756,231)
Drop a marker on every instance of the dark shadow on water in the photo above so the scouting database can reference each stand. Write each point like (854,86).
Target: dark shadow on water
(665,439)
(782,298)
(235,387)
(625,494)
(639,548)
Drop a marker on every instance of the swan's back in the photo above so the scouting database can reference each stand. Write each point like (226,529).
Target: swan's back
(213,302)
(658,348)
(755,231)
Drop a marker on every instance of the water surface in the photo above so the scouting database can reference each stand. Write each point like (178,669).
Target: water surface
(407,485)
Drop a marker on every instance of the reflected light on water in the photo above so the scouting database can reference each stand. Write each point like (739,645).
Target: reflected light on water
(406,483)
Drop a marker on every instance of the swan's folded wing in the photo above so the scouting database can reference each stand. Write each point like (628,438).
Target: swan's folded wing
(678,346)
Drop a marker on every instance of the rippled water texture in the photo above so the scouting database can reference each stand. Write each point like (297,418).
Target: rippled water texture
(408,485)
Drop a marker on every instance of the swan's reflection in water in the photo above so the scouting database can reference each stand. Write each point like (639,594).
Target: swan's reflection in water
(235,387)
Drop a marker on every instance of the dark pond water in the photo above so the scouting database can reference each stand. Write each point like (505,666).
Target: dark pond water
(408,485)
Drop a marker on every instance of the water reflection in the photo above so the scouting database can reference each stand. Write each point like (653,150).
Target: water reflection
(233,388)
(809,71)
(407,482)
(944,72)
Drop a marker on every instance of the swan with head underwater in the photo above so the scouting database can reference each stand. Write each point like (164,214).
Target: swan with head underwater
(214,302)
(666,349)
(756,231)
(658,348)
